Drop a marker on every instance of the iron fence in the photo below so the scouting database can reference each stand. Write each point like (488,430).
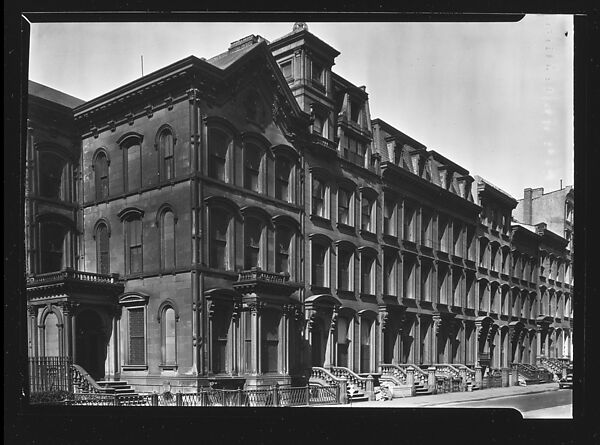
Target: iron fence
(49,374)
(273,396)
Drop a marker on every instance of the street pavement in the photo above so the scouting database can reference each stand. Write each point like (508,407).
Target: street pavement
(535,401)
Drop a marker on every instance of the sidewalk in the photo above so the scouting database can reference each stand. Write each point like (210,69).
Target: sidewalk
(454,397)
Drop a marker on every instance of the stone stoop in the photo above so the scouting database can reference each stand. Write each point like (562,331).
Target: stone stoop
(118,387)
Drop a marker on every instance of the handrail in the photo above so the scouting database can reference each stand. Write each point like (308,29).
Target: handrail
(85,383)
(447,368)
(470,373)
(72,274)
(391,370)
(420,375)
(341,371)
(322,373)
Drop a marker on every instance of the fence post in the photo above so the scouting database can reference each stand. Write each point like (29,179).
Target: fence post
(239,397)
(431,379)
(178,399)
(307,392)
(343,392)
(514,374)
(276,394)
(154,399)
(505,377)
(478,376)
(371,387)
(463,379)
(410,376)
(116,400)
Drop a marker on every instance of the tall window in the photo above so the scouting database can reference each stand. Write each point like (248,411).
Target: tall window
(354,110)
(133,244)
(252,238)
(52,176)
(367,221)
(169,336)
(286,69)
(389,270)
(101,176)
(166,143)
(283,168)
(443,233)
(317,72)
(409,224)
(252,162)
(137,336)
(367,273)
(167,240)
(218,145)
(389,227)
(344,206)
(319,264)
(343,341)
(220,222)
(132,152)
(102,249)
(270,341)
(365,345)
(51,337)
(356,151)
(345,268)
(283,246)
(52,244)
(220,331)
(318,198)
(426,228)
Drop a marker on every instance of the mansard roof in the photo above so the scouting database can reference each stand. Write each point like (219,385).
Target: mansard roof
(493,192)
(209,73)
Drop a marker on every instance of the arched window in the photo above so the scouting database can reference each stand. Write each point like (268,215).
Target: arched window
(283,252)
(319,198)
(253,234)
(53,177)
(345,206)
(367,273)
(319,263)
(133,243)
(101,176)
(220,243)
(51,340)
(102,249)
(343,341)
(168,321)
(166,145)
(218,155)
(52,246)
(252,167)
(283,169)
(167,239)
(389,272)
(132,162)
(345,263)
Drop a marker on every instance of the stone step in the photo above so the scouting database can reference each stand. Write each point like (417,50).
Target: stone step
(112,383)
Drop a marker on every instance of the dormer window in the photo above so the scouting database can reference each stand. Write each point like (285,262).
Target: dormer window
(286,69)
(354,111)
(317,73)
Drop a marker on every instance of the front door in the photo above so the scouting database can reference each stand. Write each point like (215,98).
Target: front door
(90,348)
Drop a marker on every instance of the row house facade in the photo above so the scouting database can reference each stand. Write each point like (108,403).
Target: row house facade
(242,219)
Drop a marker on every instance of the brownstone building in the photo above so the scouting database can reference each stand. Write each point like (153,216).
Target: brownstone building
(240,220)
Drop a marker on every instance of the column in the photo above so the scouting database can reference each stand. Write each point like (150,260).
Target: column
(285,340)
(33,331)
(417,340)
(255,337)
(384,327)
(332,340)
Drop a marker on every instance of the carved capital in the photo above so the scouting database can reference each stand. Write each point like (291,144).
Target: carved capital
(334,319)
(256,306)
(130,118)
(68,307)
(384,319)
(237,311)
(437,324)
(32,310)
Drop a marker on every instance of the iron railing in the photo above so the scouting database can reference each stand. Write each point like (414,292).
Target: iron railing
(50,374)
(273,396)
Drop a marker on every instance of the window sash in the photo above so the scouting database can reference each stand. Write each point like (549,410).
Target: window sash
(137,337)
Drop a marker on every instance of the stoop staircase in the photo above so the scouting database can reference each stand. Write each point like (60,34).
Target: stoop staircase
(323,377)
(117,387)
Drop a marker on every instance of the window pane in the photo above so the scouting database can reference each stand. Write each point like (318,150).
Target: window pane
(51,176)
(282,178)
(252,160)
(102,249)
(218,144)
(168,240)
(219,237)
(137,342)
(344,206)
(252,235)
(344,268)
(169,321)
(318,198)
(51,336)
(52,243)
(134,167)
(282,244)
(366,214)
(101,176)
(318,265)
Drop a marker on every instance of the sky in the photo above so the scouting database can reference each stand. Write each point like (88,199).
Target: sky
(496,98)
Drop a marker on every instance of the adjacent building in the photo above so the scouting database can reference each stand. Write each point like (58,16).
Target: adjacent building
(241,219)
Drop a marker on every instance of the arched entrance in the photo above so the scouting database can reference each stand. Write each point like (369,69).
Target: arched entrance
(90,349)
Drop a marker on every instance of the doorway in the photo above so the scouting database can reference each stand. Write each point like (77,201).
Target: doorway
(90,349)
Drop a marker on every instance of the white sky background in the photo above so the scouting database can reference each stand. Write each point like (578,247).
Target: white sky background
(496,98)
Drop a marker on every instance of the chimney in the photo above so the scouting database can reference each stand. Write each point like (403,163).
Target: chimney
(527,214)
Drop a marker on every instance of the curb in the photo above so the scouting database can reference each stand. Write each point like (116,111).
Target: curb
(537,391)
